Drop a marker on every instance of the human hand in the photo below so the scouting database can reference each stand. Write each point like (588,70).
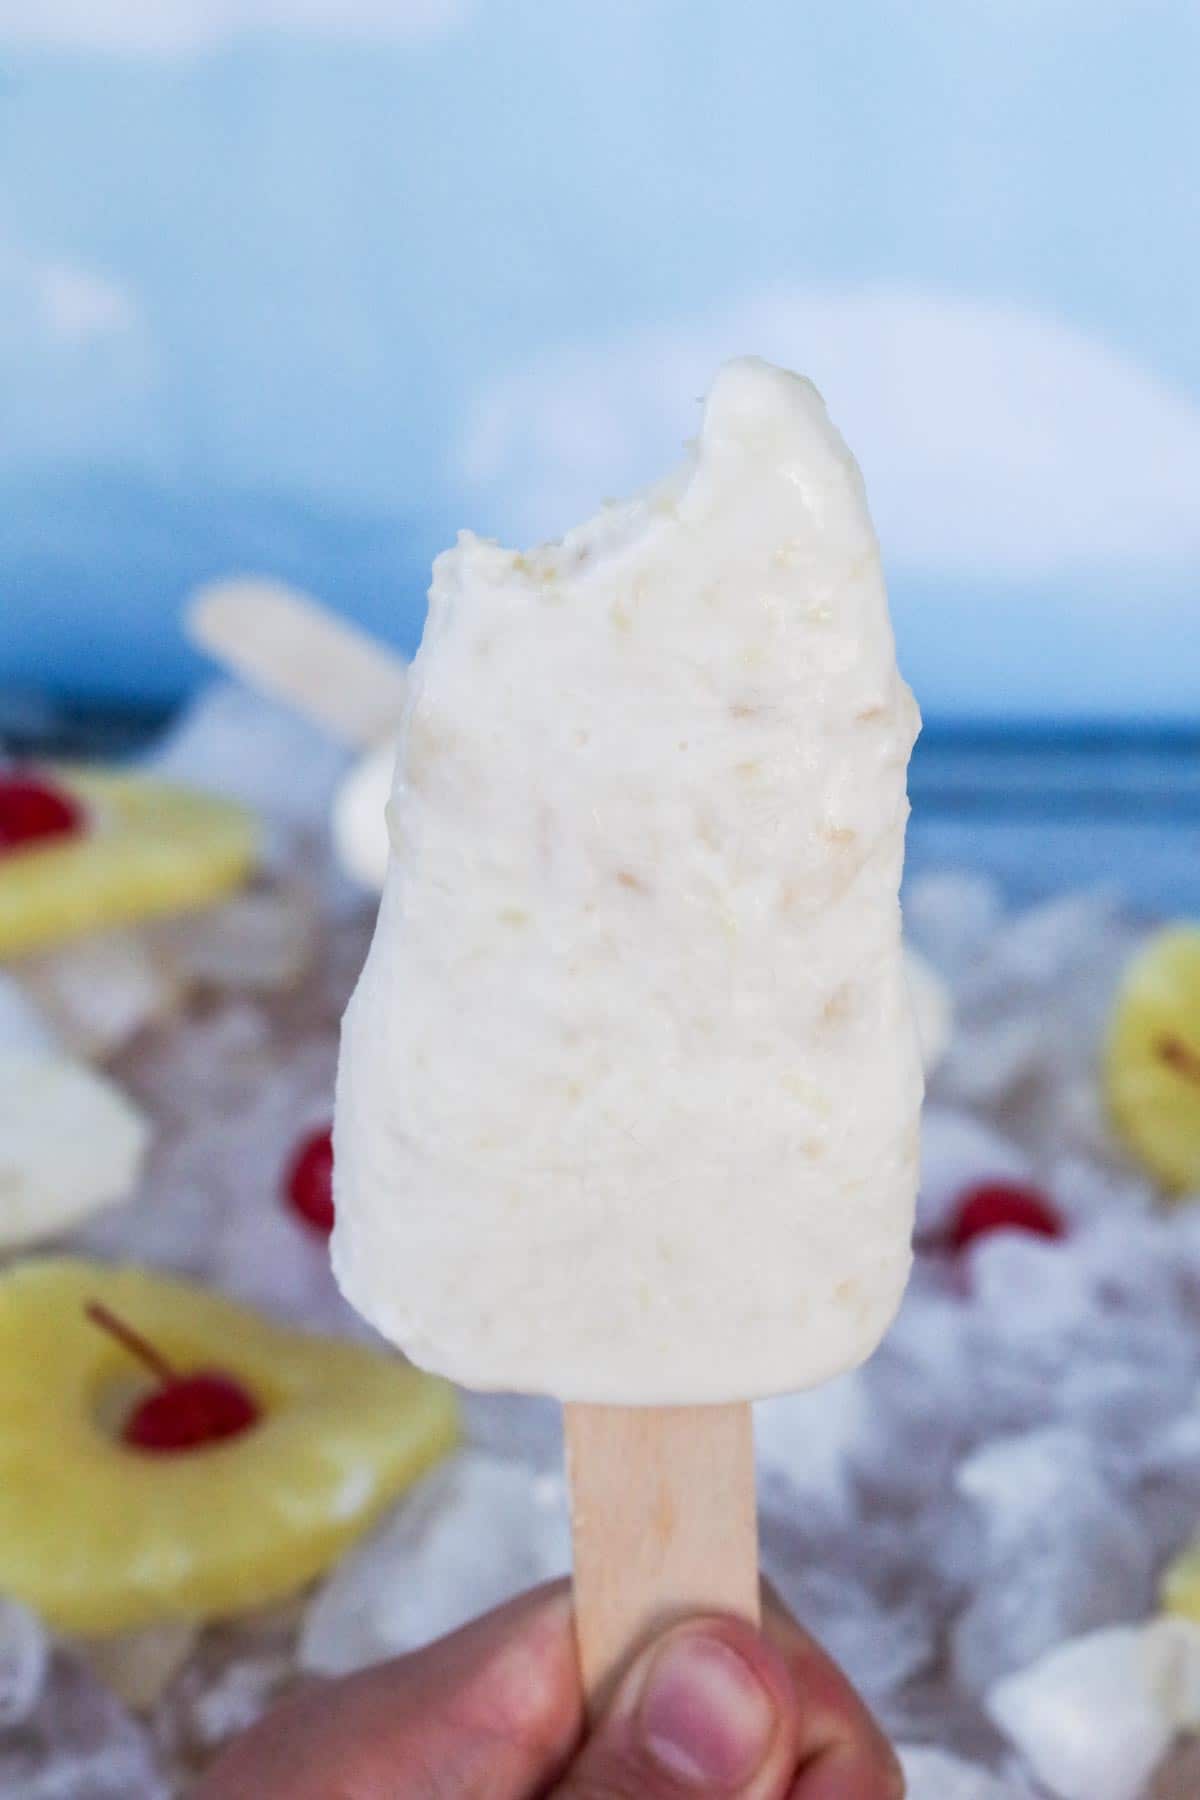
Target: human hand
(495,1712)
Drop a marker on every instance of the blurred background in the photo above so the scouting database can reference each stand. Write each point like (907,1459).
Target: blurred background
(305,285)
(298,288)
(312,284)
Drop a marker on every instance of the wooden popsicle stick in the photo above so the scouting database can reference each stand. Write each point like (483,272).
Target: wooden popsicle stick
(664,1524)
(298,651)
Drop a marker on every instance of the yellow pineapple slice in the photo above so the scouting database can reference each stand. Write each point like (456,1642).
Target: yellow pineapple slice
(1179,1589)
(100,1536)
(145,848)
(1152,1062)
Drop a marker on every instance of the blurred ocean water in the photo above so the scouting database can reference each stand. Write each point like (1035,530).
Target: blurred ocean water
(1038,809)
(1043,810)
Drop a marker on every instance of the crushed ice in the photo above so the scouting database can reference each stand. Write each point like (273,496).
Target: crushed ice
(963,1521)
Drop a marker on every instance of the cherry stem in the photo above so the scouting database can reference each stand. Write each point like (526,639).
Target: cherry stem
(140,1348)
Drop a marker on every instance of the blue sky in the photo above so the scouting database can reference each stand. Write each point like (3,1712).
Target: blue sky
(304,285)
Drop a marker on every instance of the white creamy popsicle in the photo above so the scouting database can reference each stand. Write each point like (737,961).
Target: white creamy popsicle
(629,1089)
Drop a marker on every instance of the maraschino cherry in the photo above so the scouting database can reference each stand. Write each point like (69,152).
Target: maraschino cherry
(1003,1206)
(32,810)
(308,1186)
(184,1412)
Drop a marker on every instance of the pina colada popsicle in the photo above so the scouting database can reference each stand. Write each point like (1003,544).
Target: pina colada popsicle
(628,1099)
(629,1087)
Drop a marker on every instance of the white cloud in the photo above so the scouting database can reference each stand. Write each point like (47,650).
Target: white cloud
(77,369)
(46,301)
(993,440)
(182,27)
(76,305)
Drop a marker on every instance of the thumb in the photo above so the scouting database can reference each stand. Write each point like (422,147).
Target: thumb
(707,1709)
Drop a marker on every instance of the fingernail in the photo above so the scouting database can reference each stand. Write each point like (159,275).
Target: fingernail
(705,1717)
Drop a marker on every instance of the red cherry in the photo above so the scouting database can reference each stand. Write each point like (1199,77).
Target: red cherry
(191,1411)
(1004,1206)
(184,1412)
(31,809)
(308,1186)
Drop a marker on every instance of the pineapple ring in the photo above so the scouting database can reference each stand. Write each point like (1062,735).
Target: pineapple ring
(99,1537)
(1152,1061)
(1179,1590)
(147,848)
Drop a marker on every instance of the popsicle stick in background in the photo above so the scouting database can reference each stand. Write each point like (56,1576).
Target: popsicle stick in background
(663,1504)
(296,650)
(664,1524)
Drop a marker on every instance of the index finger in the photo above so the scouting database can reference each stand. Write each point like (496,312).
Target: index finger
(491,1712)
(843,1753)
